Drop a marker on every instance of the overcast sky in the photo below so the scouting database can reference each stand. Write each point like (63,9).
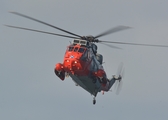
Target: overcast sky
(29,89)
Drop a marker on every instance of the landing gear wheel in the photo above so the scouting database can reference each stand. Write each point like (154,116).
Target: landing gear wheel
(94,102)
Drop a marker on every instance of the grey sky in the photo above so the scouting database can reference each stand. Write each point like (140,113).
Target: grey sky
(29,89)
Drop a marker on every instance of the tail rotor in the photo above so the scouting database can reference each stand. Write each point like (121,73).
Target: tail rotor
(118,77)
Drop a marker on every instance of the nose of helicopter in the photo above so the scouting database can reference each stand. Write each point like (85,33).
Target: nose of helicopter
(72,65)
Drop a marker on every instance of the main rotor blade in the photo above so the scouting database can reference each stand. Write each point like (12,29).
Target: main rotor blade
(111,46)
(152,45)
(25,16)
(113,30)
(41,31)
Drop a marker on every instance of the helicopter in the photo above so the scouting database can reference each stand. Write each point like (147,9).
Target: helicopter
(82,62)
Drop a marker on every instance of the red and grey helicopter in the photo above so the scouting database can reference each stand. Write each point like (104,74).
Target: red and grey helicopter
(82,62)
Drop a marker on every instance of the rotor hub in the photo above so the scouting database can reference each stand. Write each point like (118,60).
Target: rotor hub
(89,38)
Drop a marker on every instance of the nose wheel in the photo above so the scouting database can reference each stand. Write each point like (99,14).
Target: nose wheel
(94,101)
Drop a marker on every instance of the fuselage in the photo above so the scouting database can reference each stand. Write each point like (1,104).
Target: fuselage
(83,64)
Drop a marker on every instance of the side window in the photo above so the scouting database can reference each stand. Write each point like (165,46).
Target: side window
(76,49)
(85,55)
(81,50)
(70,48)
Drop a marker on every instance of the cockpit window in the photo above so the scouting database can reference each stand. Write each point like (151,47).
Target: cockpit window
(70,48)
(76,49)
(81,50)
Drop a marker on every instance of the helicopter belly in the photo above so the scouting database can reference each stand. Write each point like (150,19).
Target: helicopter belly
(87,83)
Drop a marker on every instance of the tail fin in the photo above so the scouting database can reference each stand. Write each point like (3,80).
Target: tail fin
(111,82)
(118,77)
